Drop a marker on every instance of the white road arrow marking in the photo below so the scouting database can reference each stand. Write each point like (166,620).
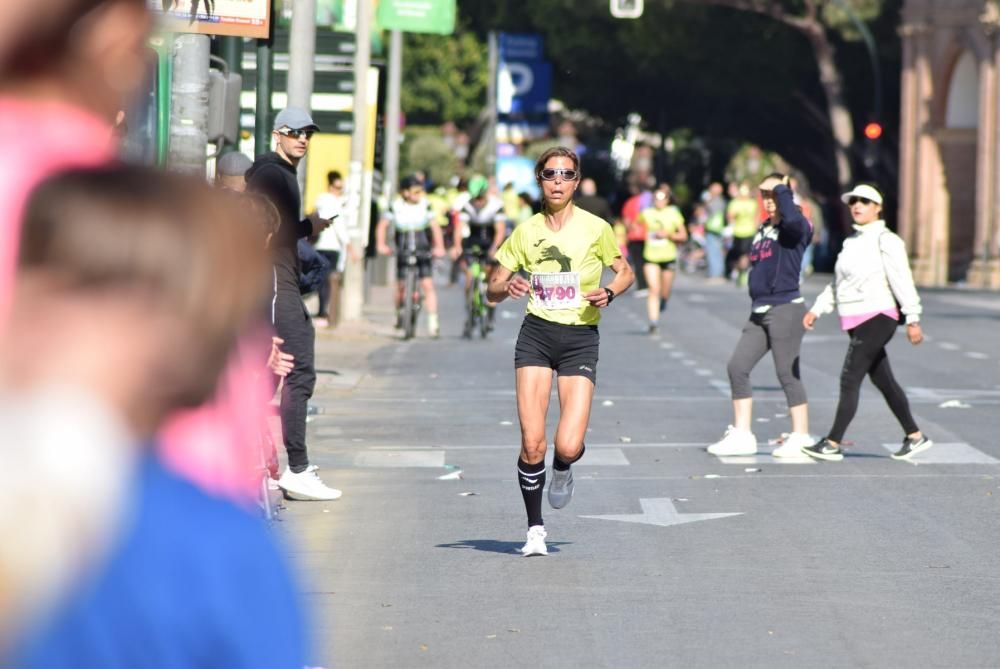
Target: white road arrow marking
(661,511)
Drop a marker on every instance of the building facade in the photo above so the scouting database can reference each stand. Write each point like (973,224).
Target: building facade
(949,191)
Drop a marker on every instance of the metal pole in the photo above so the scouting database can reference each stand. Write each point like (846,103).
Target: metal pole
(232,53)
(189,104)
(262,117)
(390,164)
(357,204)
(491,104)
(301,54)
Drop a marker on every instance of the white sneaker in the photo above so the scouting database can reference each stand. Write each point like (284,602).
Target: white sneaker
(561,488)
(536,542)
(307,486)
(735,442)
(791,446)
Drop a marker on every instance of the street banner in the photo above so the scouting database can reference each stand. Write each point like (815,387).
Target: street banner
(238,18)
(417,16)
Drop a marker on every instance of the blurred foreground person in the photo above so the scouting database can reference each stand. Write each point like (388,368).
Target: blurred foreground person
(134,284)
(873,292)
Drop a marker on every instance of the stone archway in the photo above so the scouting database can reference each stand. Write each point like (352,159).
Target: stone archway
(957,142)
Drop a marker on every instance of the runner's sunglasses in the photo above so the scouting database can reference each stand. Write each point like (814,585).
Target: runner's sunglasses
(297,134)
(863,200)
(550,173)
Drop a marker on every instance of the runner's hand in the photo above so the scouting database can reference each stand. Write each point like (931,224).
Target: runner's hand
(809,320)
(438,252)
(456,252)
(278,362)
(914,333)
(384,250)
(597,298)
(518,287)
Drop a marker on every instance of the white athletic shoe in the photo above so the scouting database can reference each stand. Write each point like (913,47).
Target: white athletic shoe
(307,486)
(735,442)
(791,446)
(536,542)
(561,488)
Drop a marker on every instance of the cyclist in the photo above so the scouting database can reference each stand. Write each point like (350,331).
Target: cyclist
(565,249)
(484,217)
(412,213)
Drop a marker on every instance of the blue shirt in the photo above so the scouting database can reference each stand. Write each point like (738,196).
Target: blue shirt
(193,581)
(776,254)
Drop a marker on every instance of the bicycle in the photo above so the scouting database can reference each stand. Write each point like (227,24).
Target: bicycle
(478,312)
(412,296)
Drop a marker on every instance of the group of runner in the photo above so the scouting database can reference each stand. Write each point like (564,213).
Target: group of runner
(564,250)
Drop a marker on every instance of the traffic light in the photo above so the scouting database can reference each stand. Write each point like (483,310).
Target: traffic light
(626,9)
(872,153)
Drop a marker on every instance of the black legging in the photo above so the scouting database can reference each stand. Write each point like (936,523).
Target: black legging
(866,355)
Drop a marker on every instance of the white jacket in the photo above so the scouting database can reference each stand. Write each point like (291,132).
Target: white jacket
(872,274)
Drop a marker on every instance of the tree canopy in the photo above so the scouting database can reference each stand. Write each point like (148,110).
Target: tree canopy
(727,69)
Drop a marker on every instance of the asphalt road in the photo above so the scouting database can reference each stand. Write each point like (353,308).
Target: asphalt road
(868,562)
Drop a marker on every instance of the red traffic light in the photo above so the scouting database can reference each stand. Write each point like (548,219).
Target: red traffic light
(873,130)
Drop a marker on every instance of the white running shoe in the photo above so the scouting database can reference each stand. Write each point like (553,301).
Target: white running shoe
(536,542)
(735,442)
(307,486)
(792,445)
(561,488)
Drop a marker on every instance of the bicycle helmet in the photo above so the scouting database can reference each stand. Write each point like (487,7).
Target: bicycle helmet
(478,185)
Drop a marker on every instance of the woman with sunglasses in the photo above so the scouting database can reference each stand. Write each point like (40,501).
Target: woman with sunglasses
(775,322)
(564,250)
(872,292)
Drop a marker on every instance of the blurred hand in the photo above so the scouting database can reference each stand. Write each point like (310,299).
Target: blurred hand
(518,287)
(914,333)
(809,320)
(438,252)
(455,252)
(384,250)
(319,224)
(597,297)
(279,362)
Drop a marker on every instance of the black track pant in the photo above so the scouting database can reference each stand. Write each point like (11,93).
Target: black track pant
(293,324)
(866,355)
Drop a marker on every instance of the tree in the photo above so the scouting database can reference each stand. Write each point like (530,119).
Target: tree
(812,19)
(444,77)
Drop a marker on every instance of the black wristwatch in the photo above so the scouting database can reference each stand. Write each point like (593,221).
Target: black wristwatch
(611,294)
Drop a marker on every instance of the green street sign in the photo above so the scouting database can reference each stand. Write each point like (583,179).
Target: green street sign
(418,16)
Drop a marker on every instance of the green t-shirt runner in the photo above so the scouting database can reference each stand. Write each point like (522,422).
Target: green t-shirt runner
(666,221)
(564,265)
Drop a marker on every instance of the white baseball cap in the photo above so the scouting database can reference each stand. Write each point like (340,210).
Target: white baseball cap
(865,191)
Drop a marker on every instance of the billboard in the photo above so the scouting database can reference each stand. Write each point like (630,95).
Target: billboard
(238,18)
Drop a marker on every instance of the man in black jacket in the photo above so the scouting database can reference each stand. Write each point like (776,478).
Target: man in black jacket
(274,176)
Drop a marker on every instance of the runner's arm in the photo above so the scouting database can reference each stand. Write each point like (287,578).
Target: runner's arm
(623,279)
(505,283)
(499,232)
(380,230)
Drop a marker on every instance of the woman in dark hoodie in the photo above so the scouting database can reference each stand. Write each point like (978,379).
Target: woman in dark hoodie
(775,322)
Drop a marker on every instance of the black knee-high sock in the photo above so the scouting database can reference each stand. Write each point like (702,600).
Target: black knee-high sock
(561,465)
(532,481)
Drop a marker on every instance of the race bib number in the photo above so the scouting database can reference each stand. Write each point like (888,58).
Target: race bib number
(557,290)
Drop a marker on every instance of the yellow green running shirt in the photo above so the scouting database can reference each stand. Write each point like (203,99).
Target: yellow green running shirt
(564,265)
(668,220)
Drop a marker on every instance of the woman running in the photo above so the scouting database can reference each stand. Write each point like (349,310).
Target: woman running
(775,322)
(664,231)
(564,250)
(872,285)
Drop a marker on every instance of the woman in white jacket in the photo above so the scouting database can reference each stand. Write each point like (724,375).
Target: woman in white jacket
(872,292)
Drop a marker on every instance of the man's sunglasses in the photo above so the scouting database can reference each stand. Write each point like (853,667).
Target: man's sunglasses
(550,173)
(297,134)
(863,200)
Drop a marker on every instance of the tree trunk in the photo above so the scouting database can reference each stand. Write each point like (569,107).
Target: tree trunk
(841,121)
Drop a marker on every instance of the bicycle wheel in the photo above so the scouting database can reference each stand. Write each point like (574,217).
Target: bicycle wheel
(409,304)
(484,310)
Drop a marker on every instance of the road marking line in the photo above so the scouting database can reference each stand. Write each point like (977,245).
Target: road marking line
(948,346)
(400,458)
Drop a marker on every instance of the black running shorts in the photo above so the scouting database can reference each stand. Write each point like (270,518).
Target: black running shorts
(424,267)
(571,350)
